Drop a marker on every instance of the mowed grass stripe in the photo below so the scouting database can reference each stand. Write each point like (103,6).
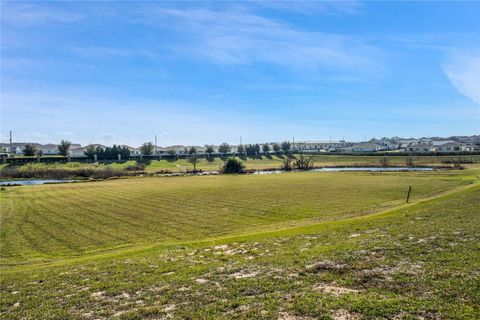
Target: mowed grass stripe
(72,219)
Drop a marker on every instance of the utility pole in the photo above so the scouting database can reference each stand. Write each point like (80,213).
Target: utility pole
(155,146)
(11,148)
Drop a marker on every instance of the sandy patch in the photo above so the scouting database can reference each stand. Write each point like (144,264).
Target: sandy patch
(343,314)
(201,281)
(97,294)
(244,274)
(334,289)
(325,265)
(287,316)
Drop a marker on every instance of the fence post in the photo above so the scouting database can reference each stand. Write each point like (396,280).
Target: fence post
(408,194)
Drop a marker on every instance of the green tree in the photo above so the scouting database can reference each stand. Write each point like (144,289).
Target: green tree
(193,159)
(90,151)
(64,147)
(233,165)
(224,148)
(276,147)
(241,149)
(285,146)
(172,152)
(147,148)
(266,148)
(192,150)
(257,150)
(209,149)
(100,153)
(29,150)
(124,152)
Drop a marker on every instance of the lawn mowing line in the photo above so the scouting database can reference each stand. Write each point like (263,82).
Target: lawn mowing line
(128,223)
(72,219)
(306,229)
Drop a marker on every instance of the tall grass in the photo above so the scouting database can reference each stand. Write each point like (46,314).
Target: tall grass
(64,172)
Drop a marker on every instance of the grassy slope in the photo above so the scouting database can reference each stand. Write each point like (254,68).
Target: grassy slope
(419,261)
(44,222)
(183,165)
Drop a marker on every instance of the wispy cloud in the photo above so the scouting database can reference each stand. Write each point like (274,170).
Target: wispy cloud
(463,71)
(312,7)
(26,14)
(102,51)
(245,38)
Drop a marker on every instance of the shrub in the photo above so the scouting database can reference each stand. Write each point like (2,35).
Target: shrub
(384,162)
(233,165)
(304,162)
(287,164)
(409,162)
(136,167)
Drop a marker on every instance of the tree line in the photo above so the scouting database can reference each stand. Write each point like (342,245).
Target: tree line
(147,149)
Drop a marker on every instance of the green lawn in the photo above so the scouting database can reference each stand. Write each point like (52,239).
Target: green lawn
(289,246)
(72,219)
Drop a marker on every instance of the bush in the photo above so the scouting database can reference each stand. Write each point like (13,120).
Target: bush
(136,167)
(56,172)
(287,164)
(384,162)
(233,165)
(304,162)
(409,162)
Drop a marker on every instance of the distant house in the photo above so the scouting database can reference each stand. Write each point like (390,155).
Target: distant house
(317,146)
(133,151)
(421,147)
(366,147)
(49,149)
(450,147)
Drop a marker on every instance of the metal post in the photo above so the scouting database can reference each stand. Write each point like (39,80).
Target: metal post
(11,148)
(408,194)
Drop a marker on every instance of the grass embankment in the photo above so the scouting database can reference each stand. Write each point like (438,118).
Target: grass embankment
(417,261)
(125,168)
(72,219)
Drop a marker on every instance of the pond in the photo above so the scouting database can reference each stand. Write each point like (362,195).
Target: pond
(30,182)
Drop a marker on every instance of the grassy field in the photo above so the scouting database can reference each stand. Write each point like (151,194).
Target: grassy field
(289,246)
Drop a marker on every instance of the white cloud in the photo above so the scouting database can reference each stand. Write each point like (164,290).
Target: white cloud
(463,71)
(24,14)
(102,51)
(242,37)
(311,7)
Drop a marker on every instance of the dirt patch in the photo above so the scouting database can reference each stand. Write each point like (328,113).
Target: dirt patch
(334,289)
(201,281)
(287,316)
(97,294)
(343,314)
(244,274)
(325,265)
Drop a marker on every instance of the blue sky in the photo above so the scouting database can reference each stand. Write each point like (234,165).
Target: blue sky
(208,72)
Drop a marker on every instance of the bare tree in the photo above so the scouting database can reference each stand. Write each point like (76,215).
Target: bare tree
(303,162)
